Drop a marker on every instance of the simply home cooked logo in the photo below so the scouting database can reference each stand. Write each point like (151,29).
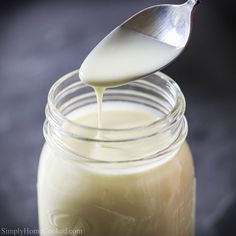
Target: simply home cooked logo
(29,231)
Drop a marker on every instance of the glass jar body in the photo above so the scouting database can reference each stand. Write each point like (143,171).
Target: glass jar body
(147,190)
(159,200)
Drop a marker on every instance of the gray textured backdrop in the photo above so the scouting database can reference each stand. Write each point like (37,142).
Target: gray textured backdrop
(42,40)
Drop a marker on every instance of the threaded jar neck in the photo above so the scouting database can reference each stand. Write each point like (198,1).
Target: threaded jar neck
(157,92)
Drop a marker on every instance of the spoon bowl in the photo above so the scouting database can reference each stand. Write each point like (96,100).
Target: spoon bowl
(142,45)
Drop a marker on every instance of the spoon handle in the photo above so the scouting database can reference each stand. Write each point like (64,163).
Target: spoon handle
(193,2)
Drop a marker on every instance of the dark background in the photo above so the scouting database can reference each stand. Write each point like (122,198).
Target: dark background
(43,40)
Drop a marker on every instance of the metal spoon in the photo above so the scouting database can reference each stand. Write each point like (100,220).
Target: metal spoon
(170,24)
(120,57)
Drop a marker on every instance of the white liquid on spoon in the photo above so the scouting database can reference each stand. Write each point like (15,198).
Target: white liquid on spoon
(124,56)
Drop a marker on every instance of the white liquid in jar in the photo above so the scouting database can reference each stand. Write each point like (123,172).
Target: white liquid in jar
(96,199)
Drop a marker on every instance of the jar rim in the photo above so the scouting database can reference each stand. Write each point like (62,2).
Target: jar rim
(176,111)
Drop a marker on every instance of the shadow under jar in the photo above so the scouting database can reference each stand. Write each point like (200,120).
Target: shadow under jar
(136,181)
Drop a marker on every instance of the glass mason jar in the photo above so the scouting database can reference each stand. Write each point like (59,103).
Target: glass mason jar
(147,189)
